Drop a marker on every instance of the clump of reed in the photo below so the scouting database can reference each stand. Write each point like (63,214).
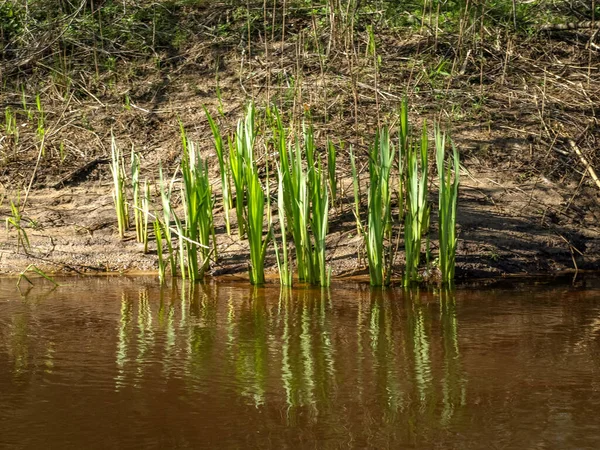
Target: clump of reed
(416,219)
(248,186)
(162,264)
(223,168)
(305,201)
(198,206)
(256,214)
(166,192)
(117,168)
(306,188)
(249,192)
(448,198)
(283,259)
(295,195)
(319,200)
(241,160)
(146,199)
(413,204)
(140,201)
(379,228)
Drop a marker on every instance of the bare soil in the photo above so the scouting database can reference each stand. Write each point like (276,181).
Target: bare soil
(504,228)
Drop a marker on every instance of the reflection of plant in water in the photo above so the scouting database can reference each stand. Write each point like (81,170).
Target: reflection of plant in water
(21,351)
(374,324)
(421,353)
(287,374)
(418,357)
(383,346)
(49,357)
(398,367)
(202,329)
(298,365)
(396,397)
(360,317)
(249,347)
(326,358)
(145,333)
(308,355)
(230,321)
(144,337)
(424,347)
(453,384)
(396,357)
(166,322)
(123,339)
(19,343)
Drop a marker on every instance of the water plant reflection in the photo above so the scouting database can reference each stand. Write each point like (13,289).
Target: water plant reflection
(296,350)
(123,339)
(347,366)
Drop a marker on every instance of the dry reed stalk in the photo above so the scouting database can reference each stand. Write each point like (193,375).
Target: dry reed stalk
(585,162)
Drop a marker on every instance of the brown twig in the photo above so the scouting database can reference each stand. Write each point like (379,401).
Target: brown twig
(585,162)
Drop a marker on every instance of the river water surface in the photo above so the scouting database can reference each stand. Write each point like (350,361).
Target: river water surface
(122,363)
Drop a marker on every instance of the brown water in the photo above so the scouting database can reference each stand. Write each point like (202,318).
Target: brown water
(121,363)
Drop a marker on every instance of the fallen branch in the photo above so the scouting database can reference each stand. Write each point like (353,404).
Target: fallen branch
(570,26)
(585,162)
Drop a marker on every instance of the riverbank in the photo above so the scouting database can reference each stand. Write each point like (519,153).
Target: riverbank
(520,107)
(504,229)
